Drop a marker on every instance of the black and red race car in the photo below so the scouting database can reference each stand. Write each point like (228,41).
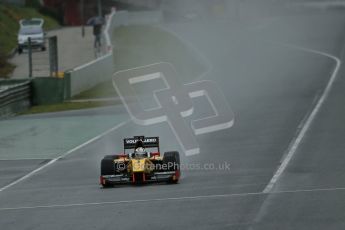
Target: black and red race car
(138,165)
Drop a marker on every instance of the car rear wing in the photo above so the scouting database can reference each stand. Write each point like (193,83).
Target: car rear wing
(149,142)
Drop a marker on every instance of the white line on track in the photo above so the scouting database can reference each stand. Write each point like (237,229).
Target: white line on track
(25,159)
(30,174)
(305,127)
(167,199)
(133,201)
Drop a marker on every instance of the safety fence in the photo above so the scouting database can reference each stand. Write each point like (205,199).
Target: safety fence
(15,96)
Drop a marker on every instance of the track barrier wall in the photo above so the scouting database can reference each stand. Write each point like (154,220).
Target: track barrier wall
(47,90)
(101,69)
(15,97)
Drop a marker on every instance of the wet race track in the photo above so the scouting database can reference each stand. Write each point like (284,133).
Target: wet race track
(279,166)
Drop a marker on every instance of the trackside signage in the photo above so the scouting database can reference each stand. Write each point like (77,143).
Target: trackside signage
(145,140)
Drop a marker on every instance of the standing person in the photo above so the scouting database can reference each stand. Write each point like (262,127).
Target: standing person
(97,23)
(97,31)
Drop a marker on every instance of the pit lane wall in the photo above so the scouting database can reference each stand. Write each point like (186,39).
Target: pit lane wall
(101,69)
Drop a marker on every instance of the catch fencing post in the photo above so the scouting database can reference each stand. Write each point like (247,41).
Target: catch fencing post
(53,56)
(30,57)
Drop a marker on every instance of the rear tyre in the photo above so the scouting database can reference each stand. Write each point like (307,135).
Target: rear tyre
(171,161)
(20,50)
(43,48)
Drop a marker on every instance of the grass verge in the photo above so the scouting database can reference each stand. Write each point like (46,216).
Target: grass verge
(67,106)
(102,90)
(5,67)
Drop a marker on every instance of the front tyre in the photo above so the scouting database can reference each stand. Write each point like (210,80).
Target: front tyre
(108,165)
(107,168)
(171,161)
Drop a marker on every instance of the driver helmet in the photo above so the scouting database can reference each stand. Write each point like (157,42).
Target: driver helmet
(140,150)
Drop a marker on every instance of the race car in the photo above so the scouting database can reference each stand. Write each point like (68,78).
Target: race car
(138,165)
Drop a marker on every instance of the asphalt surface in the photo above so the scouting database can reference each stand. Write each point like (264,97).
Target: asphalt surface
(272,78)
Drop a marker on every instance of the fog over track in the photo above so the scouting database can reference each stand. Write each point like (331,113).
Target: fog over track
(273,71)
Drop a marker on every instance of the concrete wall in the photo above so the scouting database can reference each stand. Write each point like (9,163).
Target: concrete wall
(89,75)
(47,90)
